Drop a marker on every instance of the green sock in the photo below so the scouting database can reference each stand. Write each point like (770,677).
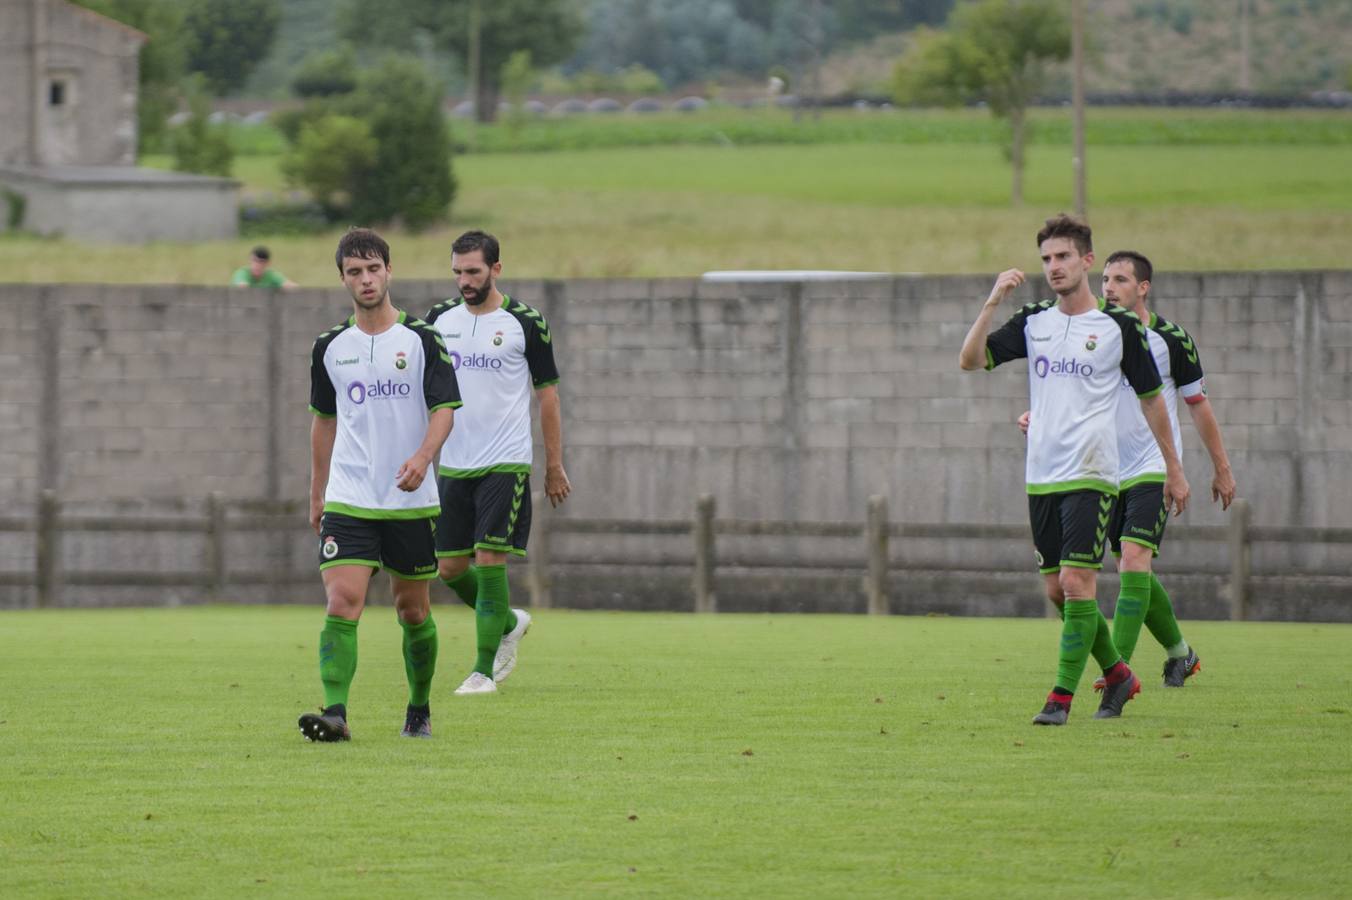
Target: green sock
(1133,604)
(337,658)
(1105,651)
(420,659)
(1159,618)
(491,612)
(465,585)
(1077,636)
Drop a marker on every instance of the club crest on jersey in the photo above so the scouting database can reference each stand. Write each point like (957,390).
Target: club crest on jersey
(1092,342)
(401,363)
(497,339)
(330,549)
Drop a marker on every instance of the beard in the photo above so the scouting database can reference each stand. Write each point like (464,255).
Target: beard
(476,296)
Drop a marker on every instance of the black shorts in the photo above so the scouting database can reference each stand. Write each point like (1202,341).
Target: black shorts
(1069,528)
(486,512)
(1140,517)
(404,546)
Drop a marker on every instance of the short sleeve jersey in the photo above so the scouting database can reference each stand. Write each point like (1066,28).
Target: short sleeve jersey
(498,358)
(1075,365)
(382,388)
(1180,369)
(270,278)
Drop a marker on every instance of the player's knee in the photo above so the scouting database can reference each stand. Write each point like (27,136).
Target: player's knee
(450,568)
(1135,557)
(1076,582)
(490,558)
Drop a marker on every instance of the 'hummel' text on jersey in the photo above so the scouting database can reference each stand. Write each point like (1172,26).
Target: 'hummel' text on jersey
(382,388)
(1075,364)
(1180,368)
(499,357)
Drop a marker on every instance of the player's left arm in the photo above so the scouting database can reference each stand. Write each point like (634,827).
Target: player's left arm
(441,392)
(1209,430)
(1186,365)
(557,486)
(411,474)
(544,377)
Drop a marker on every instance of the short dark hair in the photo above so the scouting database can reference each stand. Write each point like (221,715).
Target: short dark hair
(1139,264)
(1064,226)
(363,243)
(477,240)
(261,252)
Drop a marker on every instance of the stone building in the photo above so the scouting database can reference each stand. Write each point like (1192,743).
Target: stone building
(68,94)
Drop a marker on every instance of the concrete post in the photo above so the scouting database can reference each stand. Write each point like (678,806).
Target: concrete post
(49,549)
(705,599)
(216,540)
(537,571)
(875,537)
(1241,559)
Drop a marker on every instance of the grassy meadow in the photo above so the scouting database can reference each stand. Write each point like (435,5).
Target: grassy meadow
(154,753)
(924,192)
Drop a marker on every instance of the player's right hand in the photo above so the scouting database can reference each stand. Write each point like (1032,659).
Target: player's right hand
(1005,283)
(1024,420)
(316,513)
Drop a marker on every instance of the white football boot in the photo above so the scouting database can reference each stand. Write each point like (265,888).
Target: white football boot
(505,661)
(477,683)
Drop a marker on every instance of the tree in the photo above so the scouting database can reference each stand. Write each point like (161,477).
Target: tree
(411,177)
(326,73)
(226,39)
(549,29)
(331,155)
(996,51)
(199,146)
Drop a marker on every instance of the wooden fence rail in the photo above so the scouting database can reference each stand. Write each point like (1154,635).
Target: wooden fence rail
(221,517)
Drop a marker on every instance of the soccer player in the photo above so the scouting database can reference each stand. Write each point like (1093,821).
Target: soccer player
(1137,528)
(501,349)
(382,391)
(1138,522)
(1078,350)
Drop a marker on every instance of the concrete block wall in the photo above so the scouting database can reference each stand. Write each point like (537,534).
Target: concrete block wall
(785,401)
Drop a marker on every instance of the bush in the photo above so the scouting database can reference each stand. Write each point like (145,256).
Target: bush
(197,145)
(266,219)
(331,156)
(327,73)
(411,179)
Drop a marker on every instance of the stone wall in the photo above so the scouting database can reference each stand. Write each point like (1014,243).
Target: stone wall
(784,401)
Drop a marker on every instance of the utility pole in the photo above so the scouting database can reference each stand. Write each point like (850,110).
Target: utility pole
(1077,103)
(475,29)
(1244,46)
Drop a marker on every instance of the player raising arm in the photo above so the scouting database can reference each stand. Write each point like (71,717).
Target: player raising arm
(1078,351)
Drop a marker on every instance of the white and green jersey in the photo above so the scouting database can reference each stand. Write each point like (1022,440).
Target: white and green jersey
(1176,357)
(1075,364)
(382,388)
(498,357)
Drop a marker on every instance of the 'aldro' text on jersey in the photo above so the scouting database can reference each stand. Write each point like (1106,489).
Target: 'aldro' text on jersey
(499,357)
(381,387)
(1075,366)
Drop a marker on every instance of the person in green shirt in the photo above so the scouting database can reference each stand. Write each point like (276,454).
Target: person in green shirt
(258,273)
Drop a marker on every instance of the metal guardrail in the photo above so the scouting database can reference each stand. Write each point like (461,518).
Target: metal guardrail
(221,517)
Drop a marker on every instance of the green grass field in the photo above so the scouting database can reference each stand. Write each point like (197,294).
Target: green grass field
(924,191)
(154,753)
(680,211)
